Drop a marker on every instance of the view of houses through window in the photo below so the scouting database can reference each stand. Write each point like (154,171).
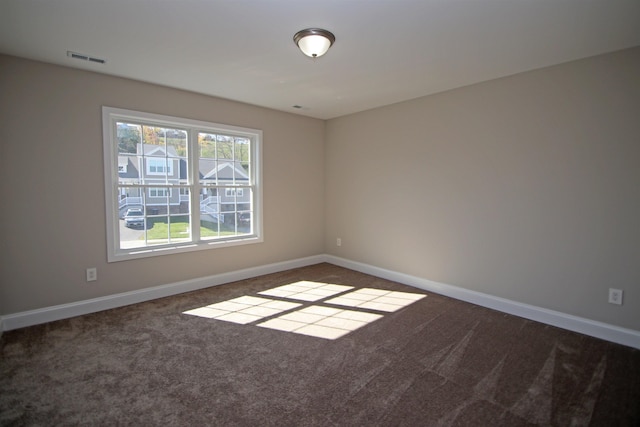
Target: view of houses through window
(180,185)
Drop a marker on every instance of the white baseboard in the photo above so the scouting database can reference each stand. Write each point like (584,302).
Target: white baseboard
(605,331)
(65,311)
(624,336)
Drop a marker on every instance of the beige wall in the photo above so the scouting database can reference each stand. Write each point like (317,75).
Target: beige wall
(526,187)
(51,170)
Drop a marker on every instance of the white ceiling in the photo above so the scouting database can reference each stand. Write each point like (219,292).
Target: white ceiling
(386,51)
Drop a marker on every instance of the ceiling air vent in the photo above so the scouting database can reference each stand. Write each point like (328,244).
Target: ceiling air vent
(84,57)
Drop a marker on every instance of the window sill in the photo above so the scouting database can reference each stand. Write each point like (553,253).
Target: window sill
(171,249)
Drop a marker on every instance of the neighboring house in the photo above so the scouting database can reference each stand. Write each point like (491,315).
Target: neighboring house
(153,164)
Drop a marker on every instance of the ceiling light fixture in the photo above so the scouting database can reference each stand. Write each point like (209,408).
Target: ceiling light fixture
(314,42)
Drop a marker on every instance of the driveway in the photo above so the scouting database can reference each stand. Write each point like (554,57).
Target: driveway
(129,234)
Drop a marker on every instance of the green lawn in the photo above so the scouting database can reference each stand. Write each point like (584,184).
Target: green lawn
(158,229)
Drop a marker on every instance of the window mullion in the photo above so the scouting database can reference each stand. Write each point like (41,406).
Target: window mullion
(194,190)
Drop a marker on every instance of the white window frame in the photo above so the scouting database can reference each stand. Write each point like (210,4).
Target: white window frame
(110,116)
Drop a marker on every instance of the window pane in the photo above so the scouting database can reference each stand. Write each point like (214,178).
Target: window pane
(207,145)
(242,151)
(133,223)
(163,229)
(210,227)
(240,175)
(177,155)
(209,201)
(224,172)
(152,135)
(226,224)
(177,143)
(154,216)
(158,230)
(129,137)
(224,147)
(129,197)
(207,162)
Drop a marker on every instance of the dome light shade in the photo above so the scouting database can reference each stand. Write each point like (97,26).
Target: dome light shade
(314,42)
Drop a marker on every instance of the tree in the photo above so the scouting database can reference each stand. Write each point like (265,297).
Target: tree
(128,137)
(152,135)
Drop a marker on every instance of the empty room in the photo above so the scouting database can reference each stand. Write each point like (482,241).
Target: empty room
(336,213)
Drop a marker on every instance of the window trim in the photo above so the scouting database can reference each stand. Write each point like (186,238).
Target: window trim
(110,116)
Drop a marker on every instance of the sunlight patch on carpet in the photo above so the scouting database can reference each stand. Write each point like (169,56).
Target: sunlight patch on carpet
(376,299)
(243,310)
(321,322)
(313,320)
(306,291)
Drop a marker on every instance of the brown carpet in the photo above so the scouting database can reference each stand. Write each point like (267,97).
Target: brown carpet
(435,362)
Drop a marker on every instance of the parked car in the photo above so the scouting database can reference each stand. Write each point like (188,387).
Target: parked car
(244,217)
(134,218)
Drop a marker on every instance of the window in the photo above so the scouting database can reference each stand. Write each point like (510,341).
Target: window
(174,170)
(157,166)
(232,192)
(159,192)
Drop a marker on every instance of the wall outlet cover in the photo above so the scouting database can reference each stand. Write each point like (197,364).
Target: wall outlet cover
(615,296)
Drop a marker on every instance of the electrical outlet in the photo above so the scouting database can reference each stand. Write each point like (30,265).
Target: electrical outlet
(615,296)
(338,242)
(92,274)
